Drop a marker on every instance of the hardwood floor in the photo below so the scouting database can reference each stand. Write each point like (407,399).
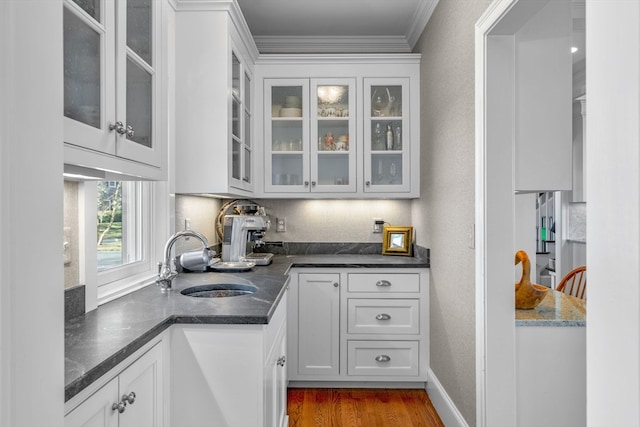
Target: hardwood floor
(321,407)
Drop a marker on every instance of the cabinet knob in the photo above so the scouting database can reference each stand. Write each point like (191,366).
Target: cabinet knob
(130,132)
(383,316)
(383,358)
(306,183)
(368,183)
(120,407)
(336,284)
(383,283)
(118,127)
(281,361)
(313,183)
(129,398)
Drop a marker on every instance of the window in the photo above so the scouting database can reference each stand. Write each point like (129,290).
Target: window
(123,242)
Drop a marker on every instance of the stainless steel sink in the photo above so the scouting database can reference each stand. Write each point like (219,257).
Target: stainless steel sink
(219,290)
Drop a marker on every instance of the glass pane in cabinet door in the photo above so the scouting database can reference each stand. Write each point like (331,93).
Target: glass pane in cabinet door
(286,169)
(333,101)
(247,92)
(139,24)
(139,103)
(235,75)
(386,135)
(247,165)
(286,135)
(92,7)
(81,71)
(386,169)
(235,119)
(247,129)
(333,135)
(235,158)
(333,169)
(286,101)
(386,101)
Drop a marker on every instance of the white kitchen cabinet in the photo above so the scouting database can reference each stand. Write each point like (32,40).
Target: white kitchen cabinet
(387,153)
(133,398)
(373,326)
(113,86)
(230,375)
(214,58)
(307,136)
(336,143)
(317,335)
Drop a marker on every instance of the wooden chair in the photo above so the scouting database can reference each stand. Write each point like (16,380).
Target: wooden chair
(574,283)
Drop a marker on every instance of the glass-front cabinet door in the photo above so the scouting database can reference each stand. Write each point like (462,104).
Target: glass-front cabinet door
(333,138)
(110,77)
(89,74)
(387,135)
(240,136)
(287,135)
(137,66)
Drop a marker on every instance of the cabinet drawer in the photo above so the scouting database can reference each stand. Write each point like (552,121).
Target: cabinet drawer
(383,282)
(383,316)
(394,358)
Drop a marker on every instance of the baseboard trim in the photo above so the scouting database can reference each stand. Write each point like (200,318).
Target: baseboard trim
(447,410)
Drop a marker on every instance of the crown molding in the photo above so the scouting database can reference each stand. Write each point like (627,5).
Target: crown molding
(420,19)
(332,44)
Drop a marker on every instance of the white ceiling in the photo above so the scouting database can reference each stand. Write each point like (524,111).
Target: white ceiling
(336,26)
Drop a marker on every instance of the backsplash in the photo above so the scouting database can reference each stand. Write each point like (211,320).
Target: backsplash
(335,221)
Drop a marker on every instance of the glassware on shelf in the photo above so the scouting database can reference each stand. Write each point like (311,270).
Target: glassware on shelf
(389,138)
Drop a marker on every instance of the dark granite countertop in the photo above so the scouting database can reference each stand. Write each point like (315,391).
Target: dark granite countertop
(97,341)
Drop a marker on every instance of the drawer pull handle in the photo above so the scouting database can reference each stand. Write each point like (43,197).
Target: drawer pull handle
(383,316)
(383,358)
(383,283)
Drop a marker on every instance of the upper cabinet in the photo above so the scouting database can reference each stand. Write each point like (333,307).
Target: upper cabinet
(542,65)
(214,55)
(307,136)
(113,86)
(387,136)
(338,126)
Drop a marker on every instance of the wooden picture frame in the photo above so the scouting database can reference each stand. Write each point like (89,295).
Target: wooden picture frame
(397,241)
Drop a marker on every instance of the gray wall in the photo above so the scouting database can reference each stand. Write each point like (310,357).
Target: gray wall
(444,214)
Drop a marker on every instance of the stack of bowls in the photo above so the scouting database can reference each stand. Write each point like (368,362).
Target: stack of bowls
(292,107)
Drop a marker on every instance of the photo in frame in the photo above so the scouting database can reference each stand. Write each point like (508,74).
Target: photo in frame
(397,240)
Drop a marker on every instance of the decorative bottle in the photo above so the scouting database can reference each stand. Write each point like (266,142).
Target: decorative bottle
(389,137)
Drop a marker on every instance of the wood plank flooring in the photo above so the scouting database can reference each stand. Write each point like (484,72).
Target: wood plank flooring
(316,407)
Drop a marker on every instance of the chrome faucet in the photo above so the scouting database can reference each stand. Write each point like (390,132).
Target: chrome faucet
(166,269)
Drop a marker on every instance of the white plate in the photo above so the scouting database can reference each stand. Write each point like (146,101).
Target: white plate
(233,266)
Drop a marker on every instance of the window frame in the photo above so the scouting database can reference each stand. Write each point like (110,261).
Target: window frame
(105,286)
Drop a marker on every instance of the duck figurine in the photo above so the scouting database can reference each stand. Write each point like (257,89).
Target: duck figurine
(528,295)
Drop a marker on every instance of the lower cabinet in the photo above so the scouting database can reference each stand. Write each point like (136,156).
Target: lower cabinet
(230,375)
(133,398)
(350,325)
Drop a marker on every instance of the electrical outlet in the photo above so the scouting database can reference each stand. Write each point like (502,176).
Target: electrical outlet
(66,246)
(378,223)
(281,225)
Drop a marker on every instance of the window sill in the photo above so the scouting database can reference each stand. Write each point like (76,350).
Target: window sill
(116,289)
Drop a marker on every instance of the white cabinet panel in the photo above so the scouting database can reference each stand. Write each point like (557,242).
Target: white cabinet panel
(318,324)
